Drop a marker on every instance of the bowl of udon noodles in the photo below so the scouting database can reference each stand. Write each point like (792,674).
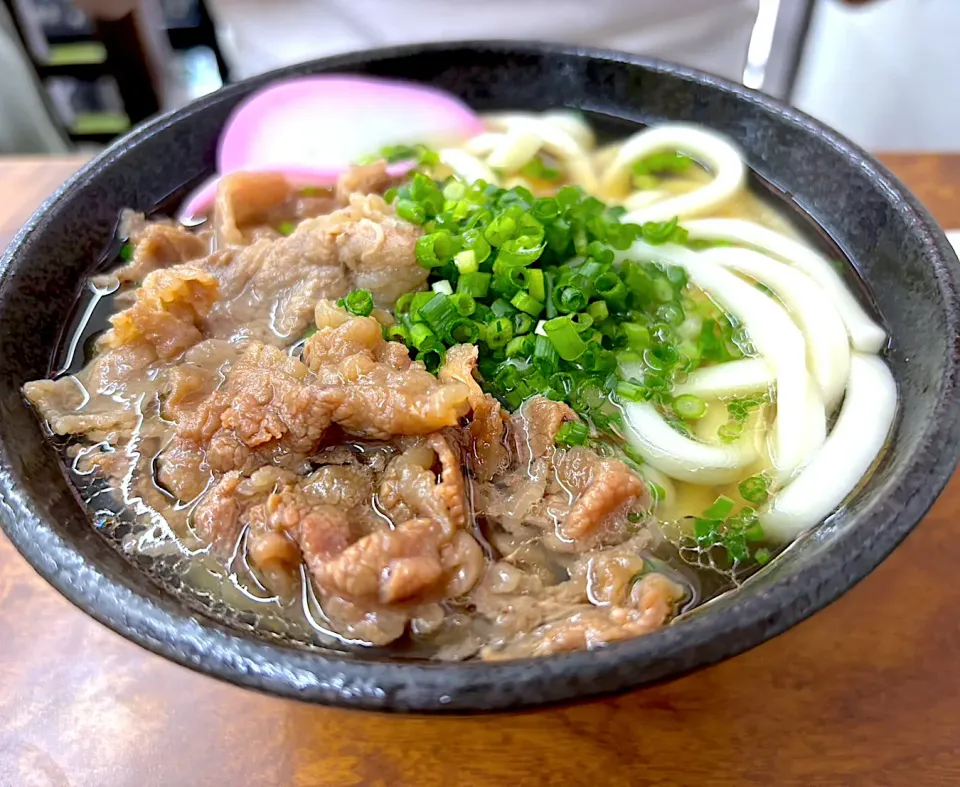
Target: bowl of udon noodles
(472,376)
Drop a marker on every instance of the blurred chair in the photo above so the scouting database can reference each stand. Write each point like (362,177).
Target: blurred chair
(26,122)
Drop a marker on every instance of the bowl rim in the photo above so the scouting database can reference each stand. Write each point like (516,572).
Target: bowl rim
(210,647)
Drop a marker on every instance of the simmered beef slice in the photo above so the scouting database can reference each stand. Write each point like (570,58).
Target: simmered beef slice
(487,430)
(411,485)
(377,391)
(273,410)
(157,244)
(575,497)
(272,285)
(168,314)
(268,412)
(612,594)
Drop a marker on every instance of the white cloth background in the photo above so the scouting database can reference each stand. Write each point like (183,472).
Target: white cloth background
(709,34)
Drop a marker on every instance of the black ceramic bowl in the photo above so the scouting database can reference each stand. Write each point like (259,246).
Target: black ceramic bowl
(901,255)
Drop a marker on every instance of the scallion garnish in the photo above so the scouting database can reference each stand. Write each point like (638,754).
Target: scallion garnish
(359,302)
(572,433)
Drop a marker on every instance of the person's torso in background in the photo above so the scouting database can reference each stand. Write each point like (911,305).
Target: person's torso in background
(708,34)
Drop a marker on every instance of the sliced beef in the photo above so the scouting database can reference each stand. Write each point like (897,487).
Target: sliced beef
(412,487)
(266,413)
(487,427)
(376,391)
(168,313)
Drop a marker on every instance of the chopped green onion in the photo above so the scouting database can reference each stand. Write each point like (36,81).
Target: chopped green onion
(454,191)
(464,303)
(466,262)
(432,357)
(569,299)
(126,252)
(562,383)
(525,303)
(598,311)
(583,322)
(545,209)
(565,338)
(657,492)
(659,163)
(755,489)
(286,227)
(442,286)
(645,182)
(463,331)
(722,508)
(658,232)
(410,211)
(536,169)
(419,300)
(499,332)
(359,302)
(519,251)
(394,153)
(637,336)
(730,433)
(439,313)
(522,323)
(507,376)
(572,433)
(395,333)
(689,407)
(474,284)
(520,346)
(436,248)
(474,241)
(421,336)
(630,391)
(500,230)
(671,313)
(535,284)
(500,307)
(403,303)
(611,288)
(544,355)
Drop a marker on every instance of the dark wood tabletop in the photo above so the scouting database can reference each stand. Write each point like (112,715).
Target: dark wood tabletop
(867,692)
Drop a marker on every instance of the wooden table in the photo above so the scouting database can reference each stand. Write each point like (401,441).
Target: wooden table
(865,693)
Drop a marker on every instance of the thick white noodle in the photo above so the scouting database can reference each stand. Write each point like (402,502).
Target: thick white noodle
(561,145)
(681,457)
(641,199)
(828,346)
(482,144)
(711,150)
(777,339)
(816,424)
(574,124)
(558,137)
(468,167)
(865,334)
(854,444)
(514,149)
(734,378)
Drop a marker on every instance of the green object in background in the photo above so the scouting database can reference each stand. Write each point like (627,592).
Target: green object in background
(100,123)
(80,53)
